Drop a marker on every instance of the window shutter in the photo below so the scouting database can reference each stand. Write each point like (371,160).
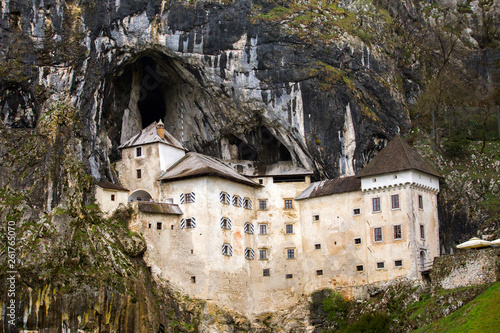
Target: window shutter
(235,200)
(222,222)
(249,203)
(223,249)
(221,197)
(183,224)
(240,202)
(251,228)
(192,197)
(228,199)
(193,222)
(230,250)
(182,198)
(249,253)
(229,223)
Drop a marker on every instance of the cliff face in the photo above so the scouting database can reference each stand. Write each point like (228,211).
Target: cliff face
(322,83)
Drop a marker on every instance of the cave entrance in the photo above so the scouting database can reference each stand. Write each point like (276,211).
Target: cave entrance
(260,145)
(151,102)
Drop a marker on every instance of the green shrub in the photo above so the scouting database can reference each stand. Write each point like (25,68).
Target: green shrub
(370,323)
(336,308)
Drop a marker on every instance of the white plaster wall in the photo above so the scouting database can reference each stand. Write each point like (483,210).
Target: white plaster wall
(403,177)
(103,199)
(169,155)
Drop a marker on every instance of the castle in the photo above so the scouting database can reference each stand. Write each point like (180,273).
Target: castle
(257,238)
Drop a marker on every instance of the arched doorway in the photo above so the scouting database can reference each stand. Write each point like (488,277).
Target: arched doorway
(140,195)
(422,260)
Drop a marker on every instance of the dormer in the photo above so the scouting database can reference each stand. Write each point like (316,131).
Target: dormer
(398,164)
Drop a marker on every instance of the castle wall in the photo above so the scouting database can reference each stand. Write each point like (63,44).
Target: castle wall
(104,198)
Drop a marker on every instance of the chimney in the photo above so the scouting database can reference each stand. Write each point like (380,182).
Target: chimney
(160,129)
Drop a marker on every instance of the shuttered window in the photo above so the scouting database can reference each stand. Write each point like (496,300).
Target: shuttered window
(188,223)
(248,227)
(225,223)
(249,254)
(227,249)
(187,198)
(225,198)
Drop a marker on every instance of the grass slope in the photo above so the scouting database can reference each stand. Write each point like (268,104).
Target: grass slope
(480,315)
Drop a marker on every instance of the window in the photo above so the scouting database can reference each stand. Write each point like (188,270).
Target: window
(395,201)
(249,253)
(112,197)
(376,204)
(248,228)
(374,180)
(187,198)
(224,198)
(263,229)
(357,240)
(172,227)
(262,254)
(227,249)
(398,231)
(289,228)
(247,203)
(138,151)
(395,176)
(381,265)
(359,268)
(290,253)
(420,202)
(149,225)
(158,225)
(193,279)
(263,204)
(288,204)
(319,272)
(398,263)
(289,276)
(317,246)
(188,223)
(139,173)
(422,231)
(266,272)
(356,211)
(237,201)
(225,223)
(315,218)
(377,234)
(261,181)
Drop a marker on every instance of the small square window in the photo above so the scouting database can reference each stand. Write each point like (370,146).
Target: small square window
(172,227)
(420,202)
(381,265)
(376,204)
(398,263)
(139,173)
(263,204)
(395,201)
(261,181)
(374,180)
(288,204)
(263,229)
(357,240)
(398,231)
(377,234)
(289,228)
(395,176)
(359,268)
(316,218)
(262,254)
(189,223)
(289,276)
(149,225)
(189,197)
(317,246)
(158,225)
(193,279)
(290,253)
(138,152)
(266,272)
(319,272)
(422,231)
(356,211)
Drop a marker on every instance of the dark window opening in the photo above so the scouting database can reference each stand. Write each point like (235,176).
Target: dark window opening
(317,246)
(359,268)
(112,197)
(319,272)
(193,279)
(289,179)
(151,102)
(289,276)
(158,225)
(266,272)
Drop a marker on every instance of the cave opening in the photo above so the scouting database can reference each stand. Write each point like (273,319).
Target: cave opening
(151,102)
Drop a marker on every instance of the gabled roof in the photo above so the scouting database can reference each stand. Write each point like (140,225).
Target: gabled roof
(150,135)
(160,208)
(196,165)
(397,156)
(110,186)
(331,186)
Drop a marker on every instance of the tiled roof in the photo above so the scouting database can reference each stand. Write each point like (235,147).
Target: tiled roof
(160,208)
(110,186)
(331,186)
(397,156)
(150,135)
(196,165)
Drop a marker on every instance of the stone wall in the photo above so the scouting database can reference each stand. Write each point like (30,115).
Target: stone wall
(466,268)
